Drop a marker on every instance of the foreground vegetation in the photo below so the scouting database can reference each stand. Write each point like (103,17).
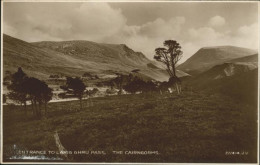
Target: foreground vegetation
(192,127)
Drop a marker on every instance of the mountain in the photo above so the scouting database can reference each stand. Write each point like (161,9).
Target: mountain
(233,67)
(207,57)
(226,70)
(237,78)
(242,87)
(75,58)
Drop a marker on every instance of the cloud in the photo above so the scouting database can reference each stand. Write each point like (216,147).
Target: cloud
(10,30)
(217,21)
(162,28)
(245,36)
(99,22)
(86,21)
(150,35)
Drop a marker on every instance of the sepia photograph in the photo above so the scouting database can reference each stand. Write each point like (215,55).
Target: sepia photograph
(129,81)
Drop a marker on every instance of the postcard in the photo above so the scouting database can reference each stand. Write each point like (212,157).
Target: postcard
(129,82)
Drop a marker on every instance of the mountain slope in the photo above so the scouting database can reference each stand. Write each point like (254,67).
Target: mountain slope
(74,58)
(237,79)
(36,62)
(241,87)
(251,59)
(207,57)
(226,70)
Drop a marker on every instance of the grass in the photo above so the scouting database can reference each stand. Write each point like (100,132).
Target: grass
(192,127)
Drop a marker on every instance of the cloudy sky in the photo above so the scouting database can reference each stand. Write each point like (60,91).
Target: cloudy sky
(142,26)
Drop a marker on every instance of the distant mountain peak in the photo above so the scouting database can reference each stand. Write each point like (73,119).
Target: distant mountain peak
(207,57)
(219,47)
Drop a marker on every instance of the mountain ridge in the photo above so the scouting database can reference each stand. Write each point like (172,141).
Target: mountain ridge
(74,58)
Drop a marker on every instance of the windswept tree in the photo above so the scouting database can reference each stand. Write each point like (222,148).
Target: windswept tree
(169,56)
(77,86)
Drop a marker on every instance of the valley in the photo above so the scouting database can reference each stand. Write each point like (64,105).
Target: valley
(215,114)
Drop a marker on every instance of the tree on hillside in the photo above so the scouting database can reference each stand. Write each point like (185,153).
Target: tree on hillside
(170,56)
(176,81)
(18,92)
(39,94)
(46,97)
(134,86)
(25,88)
(149,86)
(77,86)
(119,82)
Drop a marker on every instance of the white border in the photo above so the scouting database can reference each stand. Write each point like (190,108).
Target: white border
(134,1)
(125,1)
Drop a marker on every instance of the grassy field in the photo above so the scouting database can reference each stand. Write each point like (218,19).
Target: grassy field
(192,127)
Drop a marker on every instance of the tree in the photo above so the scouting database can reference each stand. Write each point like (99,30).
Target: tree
(176,81)
(18,92)
(77,86)
(46,97)
(119,82)
(149,86)
(170,56)
(25,88)
(39,93)
(137,85)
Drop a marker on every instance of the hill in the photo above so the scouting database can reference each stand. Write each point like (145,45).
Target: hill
(227,69)
(207,57)
(239,82)
(191,128)
(74,58)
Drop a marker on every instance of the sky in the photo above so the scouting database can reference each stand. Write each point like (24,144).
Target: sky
(142,26)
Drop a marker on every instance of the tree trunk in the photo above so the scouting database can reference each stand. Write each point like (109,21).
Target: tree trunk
(40,112)
(91,103)
(80,103)
(35,109)
(177,88)
(88,102)
(32,107)
(45,108)
(25,110)
(174,72)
